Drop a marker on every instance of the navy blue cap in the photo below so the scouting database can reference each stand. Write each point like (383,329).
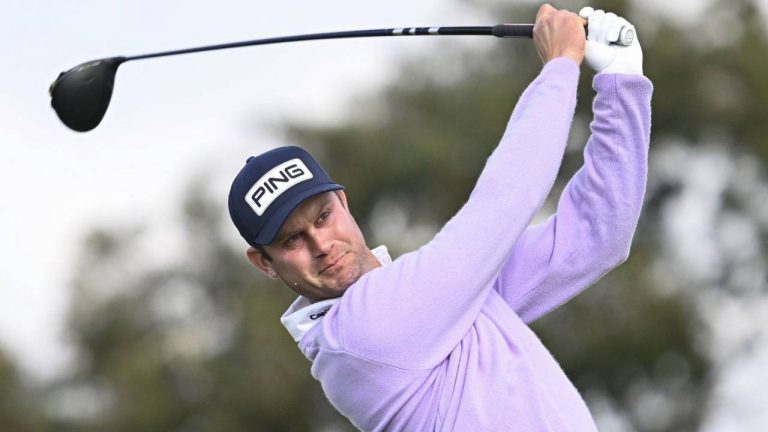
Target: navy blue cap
(269,187)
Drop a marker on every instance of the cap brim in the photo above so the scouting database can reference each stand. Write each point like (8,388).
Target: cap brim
(269,231)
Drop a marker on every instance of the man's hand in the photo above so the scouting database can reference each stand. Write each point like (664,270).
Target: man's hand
(601,54)
(559,33)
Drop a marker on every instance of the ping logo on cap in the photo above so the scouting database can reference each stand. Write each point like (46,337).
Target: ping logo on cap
(275,182)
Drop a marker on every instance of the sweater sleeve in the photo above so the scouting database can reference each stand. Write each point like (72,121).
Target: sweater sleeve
(598,211)
(412,313)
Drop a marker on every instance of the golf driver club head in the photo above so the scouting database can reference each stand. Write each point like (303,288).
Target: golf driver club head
(80,96)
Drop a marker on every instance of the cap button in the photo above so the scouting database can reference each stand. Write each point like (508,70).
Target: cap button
(249,159)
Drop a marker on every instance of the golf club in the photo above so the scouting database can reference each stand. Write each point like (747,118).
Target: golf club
(81,95)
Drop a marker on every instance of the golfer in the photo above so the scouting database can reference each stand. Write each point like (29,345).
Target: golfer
(438,339)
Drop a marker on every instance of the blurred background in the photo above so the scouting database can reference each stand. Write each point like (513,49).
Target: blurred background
(127,301)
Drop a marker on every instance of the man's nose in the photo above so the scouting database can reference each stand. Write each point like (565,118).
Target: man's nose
(320,243)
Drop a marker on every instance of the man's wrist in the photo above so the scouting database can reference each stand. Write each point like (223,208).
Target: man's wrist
(576,56)
(565,59)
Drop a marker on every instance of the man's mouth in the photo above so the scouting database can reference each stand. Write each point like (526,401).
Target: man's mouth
(333,264)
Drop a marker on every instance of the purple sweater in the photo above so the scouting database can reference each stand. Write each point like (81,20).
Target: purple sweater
(438,339)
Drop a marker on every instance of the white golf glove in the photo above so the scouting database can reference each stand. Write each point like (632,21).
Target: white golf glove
(603,29)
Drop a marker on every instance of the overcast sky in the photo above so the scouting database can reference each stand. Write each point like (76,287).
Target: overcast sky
(169,119)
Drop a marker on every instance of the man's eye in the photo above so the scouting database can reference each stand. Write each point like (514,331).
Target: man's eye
(323,216)
(293,239)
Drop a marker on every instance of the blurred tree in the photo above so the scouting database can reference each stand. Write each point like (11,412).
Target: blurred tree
(710,77)
(19,410)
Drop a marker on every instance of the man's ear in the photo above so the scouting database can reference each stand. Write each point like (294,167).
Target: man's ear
(261,262)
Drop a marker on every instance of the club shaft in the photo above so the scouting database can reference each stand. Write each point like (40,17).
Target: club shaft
(500,30)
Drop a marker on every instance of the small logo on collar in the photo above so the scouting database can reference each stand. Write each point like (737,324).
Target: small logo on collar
(319,314)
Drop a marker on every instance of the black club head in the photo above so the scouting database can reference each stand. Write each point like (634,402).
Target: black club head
(80,96)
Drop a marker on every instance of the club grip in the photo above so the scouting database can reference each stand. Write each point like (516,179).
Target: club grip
(513,30)
(626,35)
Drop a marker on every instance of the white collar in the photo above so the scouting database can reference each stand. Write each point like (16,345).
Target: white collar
(303,315)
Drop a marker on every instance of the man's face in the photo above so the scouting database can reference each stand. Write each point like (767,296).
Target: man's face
(319,251)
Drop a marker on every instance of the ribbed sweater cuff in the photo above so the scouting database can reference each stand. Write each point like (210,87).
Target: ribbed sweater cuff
(624,87)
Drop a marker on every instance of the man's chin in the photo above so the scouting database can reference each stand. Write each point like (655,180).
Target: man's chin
(347,280)
(346,277)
